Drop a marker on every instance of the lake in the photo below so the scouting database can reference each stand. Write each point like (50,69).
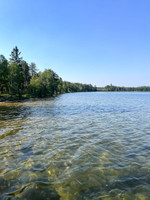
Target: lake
(77,146)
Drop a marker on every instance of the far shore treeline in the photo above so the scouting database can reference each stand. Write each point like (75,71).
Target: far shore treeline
(18,78)
(22,80)
(113,88)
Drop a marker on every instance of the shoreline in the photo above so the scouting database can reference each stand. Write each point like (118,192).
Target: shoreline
(14,99)
(6,98)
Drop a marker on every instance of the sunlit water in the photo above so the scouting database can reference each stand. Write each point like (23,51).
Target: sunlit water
(79,146)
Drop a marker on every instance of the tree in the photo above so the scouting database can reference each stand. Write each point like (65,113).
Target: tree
(25,74)
(33,69)
(60,86)
(35,87)
(15,79)
(45,84)
(15,56)
(3,74)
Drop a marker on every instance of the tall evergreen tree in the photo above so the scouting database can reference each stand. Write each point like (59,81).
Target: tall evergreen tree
(15,56)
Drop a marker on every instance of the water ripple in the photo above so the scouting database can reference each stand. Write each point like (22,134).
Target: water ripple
(76,146)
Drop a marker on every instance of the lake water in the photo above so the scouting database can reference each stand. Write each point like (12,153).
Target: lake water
(80,146)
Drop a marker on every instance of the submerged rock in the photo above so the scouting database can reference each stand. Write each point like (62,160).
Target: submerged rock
(3,184)
(40,191)
(40,194)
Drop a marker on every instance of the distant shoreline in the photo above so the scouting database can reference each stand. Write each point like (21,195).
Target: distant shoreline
(7,98)
(113,88)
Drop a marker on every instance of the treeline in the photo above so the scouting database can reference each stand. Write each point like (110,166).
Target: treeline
(19,78)
(113,88)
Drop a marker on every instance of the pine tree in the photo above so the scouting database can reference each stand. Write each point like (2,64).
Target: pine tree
(14,56)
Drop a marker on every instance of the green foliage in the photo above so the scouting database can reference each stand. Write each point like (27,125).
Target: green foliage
(113,88)
(77,87)
(3,74)
(33,69)
(35,87)
(14,56)
(25,74)
(45,84)
(17,78)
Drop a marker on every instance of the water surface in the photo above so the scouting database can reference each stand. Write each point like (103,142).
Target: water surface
(79,146)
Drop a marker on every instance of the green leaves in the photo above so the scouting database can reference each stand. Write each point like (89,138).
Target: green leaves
(45,84)
(3,74)
(18,78)
(15,79)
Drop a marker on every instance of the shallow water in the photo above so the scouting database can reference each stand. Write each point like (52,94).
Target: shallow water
(79,146)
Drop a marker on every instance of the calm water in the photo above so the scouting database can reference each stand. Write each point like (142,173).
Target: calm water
(81,146)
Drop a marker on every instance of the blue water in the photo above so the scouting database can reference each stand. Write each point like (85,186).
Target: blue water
(76,146)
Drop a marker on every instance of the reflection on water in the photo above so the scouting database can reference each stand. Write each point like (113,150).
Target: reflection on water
(76,146)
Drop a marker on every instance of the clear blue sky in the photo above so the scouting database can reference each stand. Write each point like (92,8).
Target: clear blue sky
(89,41)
